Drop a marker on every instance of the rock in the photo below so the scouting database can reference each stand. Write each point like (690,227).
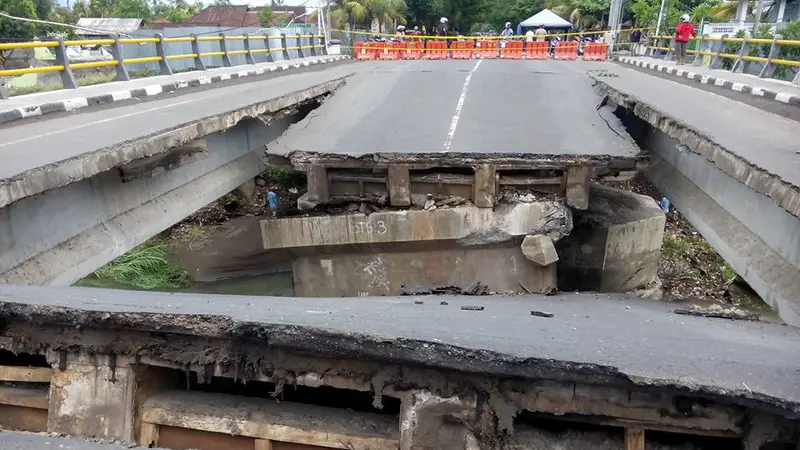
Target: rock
(261,182)
(430,205)
(653,292)
(303,204)
(542,314)
(539,249)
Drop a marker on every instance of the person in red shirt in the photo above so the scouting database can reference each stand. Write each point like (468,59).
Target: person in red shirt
(683,32)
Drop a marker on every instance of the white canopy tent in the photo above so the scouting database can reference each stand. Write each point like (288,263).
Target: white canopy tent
(546,19)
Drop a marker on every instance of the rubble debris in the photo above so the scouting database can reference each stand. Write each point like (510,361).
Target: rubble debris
(419,302)
(541,314)
(443,303)
(717,311)
(539,249)
(430,205)
(476,288)
(471,308)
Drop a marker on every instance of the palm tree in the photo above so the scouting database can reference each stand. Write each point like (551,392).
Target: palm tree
(365,12)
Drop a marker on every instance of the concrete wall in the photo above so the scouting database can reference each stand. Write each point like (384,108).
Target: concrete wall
(64,234)
(615,244)
(502,268)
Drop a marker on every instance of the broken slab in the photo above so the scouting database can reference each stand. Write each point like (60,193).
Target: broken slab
(615,245)
(467,225)
(539,249)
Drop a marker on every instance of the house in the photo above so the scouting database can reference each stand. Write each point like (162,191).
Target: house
(244,16)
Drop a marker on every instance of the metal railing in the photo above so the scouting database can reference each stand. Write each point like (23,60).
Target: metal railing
(315,45)
(717,49)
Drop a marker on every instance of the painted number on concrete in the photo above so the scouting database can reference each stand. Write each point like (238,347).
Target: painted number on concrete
(368,228)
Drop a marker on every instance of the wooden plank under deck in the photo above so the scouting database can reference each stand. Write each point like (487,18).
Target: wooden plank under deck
(25,374)
(266,419)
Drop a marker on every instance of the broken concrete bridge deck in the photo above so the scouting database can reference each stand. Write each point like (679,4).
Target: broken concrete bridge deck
(590,338)
(40,155)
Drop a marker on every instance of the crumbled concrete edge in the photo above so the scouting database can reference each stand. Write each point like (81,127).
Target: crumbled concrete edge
(202,78)
(86,165)
(321,342)
(769,94)
(756,178)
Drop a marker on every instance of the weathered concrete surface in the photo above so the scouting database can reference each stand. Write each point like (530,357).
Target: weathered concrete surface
(743,362)
(93,396)
(465,225)
(411,108)
(502,268)
(539,249)
(118,136)
(737,185)
(615,244)
(10,440)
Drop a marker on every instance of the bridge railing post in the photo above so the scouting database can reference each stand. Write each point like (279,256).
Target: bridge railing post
(161,50)
(67,77)
(774,50)
(299,45)
(249,55)
(285,47)
(704,46)
(3,93)
(739,64)
(198,61)
(323,41)
(116,53)
(720,47)
(223,47)
(670,49)
(312,44)
(267,40)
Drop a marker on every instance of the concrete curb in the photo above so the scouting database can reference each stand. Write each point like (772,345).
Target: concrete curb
(783,97)
(74,103)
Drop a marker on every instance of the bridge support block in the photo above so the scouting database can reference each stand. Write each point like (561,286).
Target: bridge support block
(399,185)
(485,186)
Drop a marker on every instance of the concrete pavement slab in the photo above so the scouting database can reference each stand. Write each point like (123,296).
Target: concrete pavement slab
(613,337)
(777,90)
(33,105)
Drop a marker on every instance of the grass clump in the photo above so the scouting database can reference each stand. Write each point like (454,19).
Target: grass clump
(145,267)
(697,259)
(285,178)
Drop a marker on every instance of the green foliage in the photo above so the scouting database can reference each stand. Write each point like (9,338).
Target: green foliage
(265,16)
(700,259)
(143,73)
(363,12)
(14,28)
(222,3)
(145,267)
(285,178)
(792,52)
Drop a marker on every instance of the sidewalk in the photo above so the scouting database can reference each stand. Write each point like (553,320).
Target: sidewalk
(62,100)
(781,91)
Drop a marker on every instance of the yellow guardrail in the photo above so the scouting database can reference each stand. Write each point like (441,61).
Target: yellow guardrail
(735,40)
(149,40)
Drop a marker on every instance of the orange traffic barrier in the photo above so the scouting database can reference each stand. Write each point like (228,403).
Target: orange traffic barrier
(389,50)
(413,50)
(566,50)
(366,50)
(511,49)
(537,50)
(462,49)
(436,49)
(595,51)
(486,49)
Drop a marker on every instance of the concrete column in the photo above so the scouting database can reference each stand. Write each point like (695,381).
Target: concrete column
(198,61)
(92,395)
(781,11)
(223,47)
(399,185)
(317,180)
(116,53)
(578,186)
(249,55)
(485,186)
(67,78)
(774,50)
(161,50)
(741,11)
(422,424)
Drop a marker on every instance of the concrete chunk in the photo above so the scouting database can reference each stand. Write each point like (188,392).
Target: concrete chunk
(539,249)
(399,185)
(485,186)
(578,187)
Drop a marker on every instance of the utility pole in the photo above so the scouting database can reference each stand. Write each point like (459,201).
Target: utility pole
(759,11)
(660,17)
(327,21)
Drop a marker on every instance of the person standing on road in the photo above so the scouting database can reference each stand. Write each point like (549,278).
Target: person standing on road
(442,30)
(683,33)
(507,32)
(541,34)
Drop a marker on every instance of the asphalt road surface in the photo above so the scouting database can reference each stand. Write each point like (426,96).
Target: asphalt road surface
(642,339)
(11,440)
(483,106)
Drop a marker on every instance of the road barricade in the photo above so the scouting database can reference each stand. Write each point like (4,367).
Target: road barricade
(390,50)
(413,50)
(511,49)
(487,49)
(436,49)
(366,50)
(595,51)
(537,50)
(462,49)
(566,50)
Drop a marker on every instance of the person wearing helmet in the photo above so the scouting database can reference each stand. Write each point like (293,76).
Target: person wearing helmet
(683,33)
(401,33)
(442,29)
(415,31)
(507,31)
